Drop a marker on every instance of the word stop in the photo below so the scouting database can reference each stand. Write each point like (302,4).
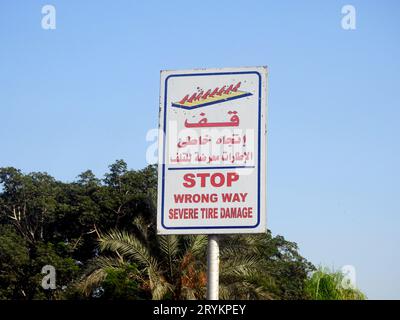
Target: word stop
(215,179)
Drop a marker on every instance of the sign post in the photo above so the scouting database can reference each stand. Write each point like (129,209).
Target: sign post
(213,268)
(212,155)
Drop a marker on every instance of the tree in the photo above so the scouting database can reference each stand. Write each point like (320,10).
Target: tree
(167,267)
(101,233)
(14,258)
(324,284)
(262,267)
(174,267)
(21,265)
(28,202)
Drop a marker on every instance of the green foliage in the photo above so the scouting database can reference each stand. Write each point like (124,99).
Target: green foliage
(262,266)
(100,236)
(14,258)
(44,221)
(330,285)
(119,284)
(167,267)
(174,267)
(21,265)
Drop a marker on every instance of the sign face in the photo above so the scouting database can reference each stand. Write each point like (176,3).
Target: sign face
(212,151)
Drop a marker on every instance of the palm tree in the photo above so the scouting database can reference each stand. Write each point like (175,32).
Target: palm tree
(168,266)
(174,267)
(243,272)
(325,284)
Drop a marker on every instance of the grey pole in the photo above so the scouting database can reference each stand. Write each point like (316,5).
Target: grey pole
(213,268)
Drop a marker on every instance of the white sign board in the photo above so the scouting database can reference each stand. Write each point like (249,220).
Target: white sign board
(212,151)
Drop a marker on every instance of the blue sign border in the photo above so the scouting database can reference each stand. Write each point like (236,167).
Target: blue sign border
(212,168)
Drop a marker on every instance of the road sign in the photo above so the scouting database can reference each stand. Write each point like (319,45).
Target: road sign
(212,151)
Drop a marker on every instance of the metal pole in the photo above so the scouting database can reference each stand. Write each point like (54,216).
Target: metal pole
(213,268)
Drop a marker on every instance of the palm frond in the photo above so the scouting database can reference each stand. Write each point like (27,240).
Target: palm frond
(169,245)
(241,265)
(196,245)
(97,272)
(243,290)
(248,243)
(86,285)
(128,246)
(158,285)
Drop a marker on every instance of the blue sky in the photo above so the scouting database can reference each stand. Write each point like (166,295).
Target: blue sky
(85,94)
